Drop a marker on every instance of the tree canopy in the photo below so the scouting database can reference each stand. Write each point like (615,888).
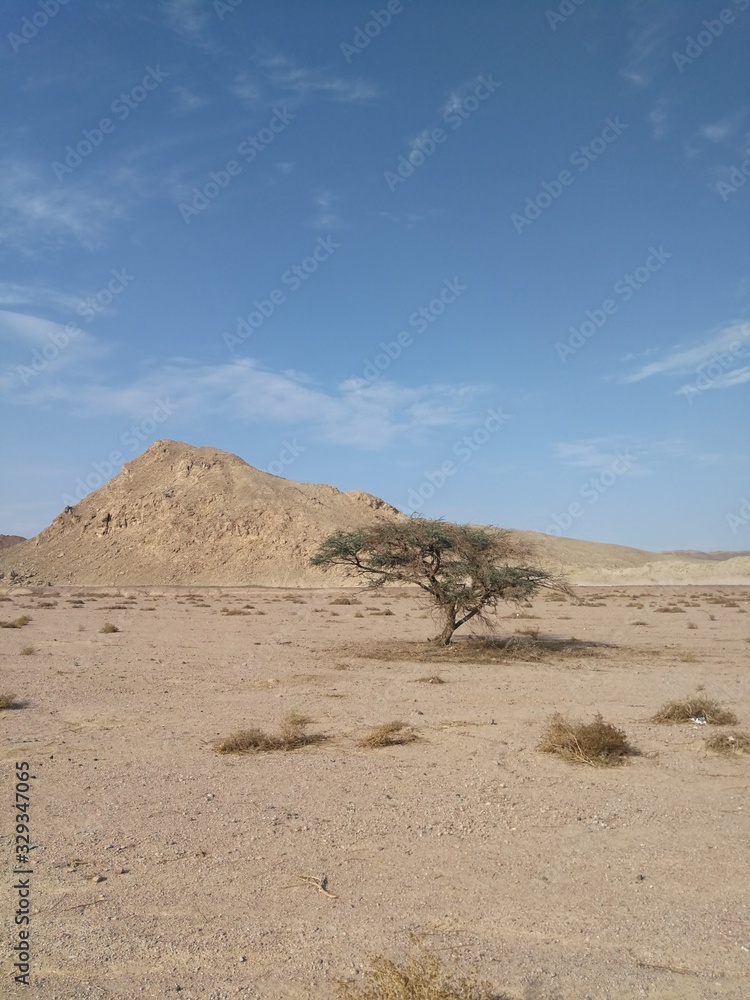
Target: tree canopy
(465,570)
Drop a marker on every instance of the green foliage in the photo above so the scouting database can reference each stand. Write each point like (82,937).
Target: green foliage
(465,570)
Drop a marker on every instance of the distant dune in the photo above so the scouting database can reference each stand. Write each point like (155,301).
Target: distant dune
(199,516)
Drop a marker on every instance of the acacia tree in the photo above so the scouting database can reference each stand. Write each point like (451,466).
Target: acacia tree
(465,570)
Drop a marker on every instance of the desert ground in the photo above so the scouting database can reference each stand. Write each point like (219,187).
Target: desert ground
(161,867)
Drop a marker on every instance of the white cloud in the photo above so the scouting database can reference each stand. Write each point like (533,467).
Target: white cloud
(658,118)
(326,217)
(649,42)
(733,339)
(41,214)
(187,17)
(596,454)
(188,100)
(43,349)
(296,82)
(355,413)
(25,295)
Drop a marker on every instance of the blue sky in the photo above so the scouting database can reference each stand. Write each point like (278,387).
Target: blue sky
(489,261)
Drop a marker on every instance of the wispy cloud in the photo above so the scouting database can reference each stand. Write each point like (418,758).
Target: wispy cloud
(596,454)
(648,50)
(187,17)
(37,215)
(733,339)
(15,295)
(43,350)
(326,217)
(726,128)
(355,413)
(188,100)
(659,119)
(245,88)
(296,83)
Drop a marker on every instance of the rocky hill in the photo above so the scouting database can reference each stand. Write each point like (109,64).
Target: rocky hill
(179,514)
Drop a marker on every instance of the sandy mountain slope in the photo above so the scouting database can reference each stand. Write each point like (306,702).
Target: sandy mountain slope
(599,563)
(199,516)
(7,540)
(179,514)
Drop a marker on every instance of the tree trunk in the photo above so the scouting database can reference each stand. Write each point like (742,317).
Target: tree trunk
(444,639)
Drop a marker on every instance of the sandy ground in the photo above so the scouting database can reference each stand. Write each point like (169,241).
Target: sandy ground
(161,868)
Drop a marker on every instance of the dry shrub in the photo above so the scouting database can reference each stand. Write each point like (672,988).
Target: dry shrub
(345,600)
(635,604)
(386,612)
(234,611)
(673,610)
(423,977)
(358,614)
(597,743)
(16,622)
(559,598)
(729,743)
(695,707)
(27,650)
(388,735)
(7,701)
(47,604)
(292,735)
(108,628)
(692,625)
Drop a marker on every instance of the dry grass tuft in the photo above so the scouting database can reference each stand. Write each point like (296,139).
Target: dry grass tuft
(432,679)
(390,734)
(27,650)
(345,600)
(423,977)
(292,735)
(729,743)
(597,743)
(7,701)
(108,628)
(697,707)
(16,622)
(672,610)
